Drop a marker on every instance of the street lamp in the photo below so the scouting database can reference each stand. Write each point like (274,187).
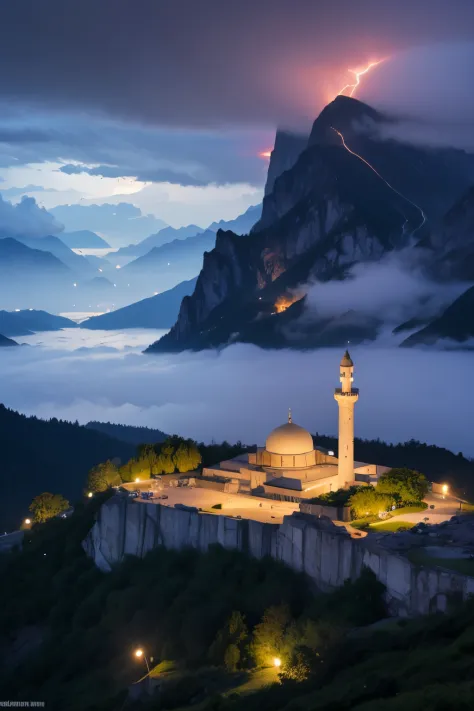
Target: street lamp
(277,662)
(445,489)
(137,480)
(90,495)
(27,521)
(139,653)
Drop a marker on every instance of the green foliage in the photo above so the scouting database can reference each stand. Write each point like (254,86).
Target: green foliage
(406,485)
(272,636)
(230,642)
(103,476)
(186,457)
(340,497)
(368,502)
(232,657)
(46,506)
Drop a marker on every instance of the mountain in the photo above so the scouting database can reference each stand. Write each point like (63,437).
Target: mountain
(286,151)
(452,241)
(165,235)
(83,239)
(55,246)
(158,311)
(40,455)
(23,323)
(128,433)
(6,342)
(327,212)
(242,224)
(120,224)
(456,323)
(164,267)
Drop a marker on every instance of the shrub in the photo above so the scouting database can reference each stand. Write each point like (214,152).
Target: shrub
(368,502)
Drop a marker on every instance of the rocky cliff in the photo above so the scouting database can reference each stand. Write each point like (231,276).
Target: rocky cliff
(286,151)
(350,197)
(326,553)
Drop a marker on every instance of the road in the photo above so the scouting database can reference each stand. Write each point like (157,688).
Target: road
(444,509)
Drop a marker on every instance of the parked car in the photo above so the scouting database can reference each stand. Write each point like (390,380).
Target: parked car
(134,494)
(164,496)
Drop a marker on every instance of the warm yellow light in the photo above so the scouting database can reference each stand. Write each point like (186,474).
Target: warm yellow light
(139,653)
(265,154)
(90,494)
(137,480)
(277,662)
(27,521)
(445,488)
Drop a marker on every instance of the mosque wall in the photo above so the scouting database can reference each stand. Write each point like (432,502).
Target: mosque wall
(325,552)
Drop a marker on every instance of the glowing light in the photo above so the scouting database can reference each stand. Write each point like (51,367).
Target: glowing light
(74,284)
(404,197)
(285,301)
(137,480)
(265,154)
(445,488)
(358,74)
(27,521)
(139,653)
(118,266)
(90,495)
(277,662)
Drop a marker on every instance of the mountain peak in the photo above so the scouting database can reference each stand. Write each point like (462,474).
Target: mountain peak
(341,114)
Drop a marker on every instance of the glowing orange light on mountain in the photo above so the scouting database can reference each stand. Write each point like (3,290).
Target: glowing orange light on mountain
(265,154)
(358,73)
(285,301)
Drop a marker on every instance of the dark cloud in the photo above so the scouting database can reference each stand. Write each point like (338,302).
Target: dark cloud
(207,63)
(115,171)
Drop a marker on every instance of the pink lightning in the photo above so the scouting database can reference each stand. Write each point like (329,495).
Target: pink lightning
(357,75)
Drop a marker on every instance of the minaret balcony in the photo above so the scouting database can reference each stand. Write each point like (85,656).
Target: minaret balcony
(340,391)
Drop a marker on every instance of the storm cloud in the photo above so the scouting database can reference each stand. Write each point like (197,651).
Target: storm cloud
(208,63)
(26,219)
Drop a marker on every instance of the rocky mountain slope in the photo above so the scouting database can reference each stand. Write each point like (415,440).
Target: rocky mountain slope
(328,212)
(6,342)
(83,239)
(455,324)
(158,311)
(165,235)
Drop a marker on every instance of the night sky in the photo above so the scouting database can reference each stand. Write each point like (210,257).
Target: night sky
(167,104)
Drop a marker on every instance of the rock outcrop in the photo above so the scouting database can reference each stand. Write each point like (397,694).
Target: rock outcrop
(325,552)
(348,196)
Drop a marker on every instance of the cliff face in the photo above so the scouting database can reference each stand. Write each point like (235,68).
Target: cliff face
(327,212)
(287,149)
(323,551)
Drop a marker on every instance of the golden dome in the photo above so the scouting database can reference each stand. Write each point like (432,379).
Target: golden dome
(289,439)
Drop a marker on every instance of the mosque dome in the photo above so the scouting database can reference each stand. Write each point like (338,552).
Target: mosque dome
(289,439)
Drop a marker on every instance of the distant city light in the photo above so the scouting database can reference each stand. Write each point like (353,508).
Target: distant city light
(100,269)
(74,284)
(117,266)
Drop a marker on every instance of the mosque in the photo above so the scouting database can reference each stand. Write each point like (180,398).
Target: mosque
(290,467)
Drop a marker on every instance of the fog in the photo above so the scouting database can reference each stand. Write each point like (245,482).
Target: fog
(241,392)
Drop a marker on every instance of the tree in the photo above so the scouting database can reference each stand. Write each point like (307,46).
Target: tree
(232,657)
(186,457)
(46,506)
(406,485)
(369,502)
(270,637)
(229,641)
(164,461)
(103,476)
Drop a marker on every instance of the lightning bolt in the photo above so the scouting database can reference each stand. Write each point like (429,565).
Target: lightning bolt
(404,197)
(358,75)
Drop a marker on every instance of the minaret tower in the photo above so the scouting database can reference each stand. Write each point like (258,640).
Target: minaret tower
(346,397)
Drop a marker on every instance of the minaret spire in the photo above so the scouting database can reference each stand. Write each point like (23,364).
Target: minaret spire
(290,419)
(346,397)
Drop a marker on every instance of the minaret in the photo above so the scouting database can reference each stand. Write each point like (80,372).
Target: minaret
(346,397)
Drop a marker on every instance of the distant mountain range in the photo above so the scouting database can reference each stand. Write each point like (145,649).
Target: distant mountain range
(326,211)
(119,224)
(241,225)
(158,311)
(83,239)
(23,323)
(6,342)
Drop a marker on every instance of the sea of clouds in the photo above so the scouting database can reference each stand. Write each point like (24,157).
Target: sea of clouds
(241,392)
